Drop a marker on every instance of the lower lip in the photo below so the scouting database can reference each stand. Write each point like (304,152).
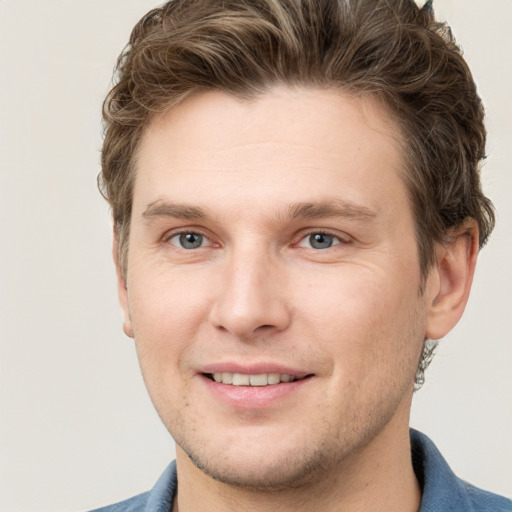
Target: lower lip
(254,397)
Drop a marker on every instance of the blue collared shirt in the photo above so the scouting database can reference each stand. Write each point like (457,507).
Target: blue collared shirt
(442,490)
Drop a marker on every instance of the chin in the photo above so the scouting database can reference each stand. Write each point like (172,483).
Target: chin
(279,472)
(261,459)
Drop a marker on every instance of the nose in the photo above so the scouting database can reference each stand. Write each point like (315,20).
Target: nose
(250,301)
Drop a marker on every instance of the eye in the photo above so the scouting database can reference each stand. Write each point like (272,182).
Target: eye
(319,241)
(189,240)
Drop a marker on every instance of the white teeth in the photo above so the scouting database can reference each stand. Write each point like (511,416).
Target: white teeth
(227,378)
(274,378)
(262,379)
(258,380)
(239,379)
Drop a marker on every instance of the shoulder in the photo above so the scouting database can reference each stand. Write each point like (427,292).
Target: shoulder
(484,501)
(134,504)
(442,490)
(159,499)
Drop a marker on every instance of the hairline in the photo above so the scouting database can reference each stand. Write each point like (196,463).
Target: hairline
(405,172)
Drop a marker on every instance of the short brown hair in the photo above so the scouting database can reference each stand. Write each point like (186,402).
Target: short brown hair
(390,48)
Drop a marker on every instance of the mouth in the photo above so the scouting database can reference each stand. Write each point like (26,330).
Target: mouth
(255,380)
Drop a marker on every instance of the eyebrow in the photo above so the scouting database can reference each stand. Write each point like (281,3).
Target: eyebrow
(301,210)
(335,208)
(158,209)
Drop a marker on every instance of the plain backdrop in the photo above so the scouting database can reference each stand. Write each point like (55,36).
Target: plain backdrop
(76,427)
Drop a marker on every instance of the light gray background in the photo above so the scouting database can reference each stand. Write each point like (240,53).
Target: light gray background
(77,430)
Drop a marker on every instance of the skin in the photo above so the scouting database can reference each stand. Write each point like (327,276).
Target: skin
(258,291)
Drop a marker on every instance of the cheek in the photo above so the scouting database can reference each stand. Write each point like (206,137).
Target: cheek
(367,323)
(353,297)
(165,323)
(166,314)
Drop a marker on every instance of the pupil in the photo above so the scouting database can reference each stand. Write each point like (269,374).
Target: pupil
(191,240)
(321,241)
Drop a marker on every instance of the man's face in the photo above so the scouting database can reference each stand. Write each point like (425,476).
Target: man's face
(273,239)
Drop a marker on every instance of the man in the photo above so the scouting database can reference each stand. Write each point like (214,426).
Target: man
(297,208)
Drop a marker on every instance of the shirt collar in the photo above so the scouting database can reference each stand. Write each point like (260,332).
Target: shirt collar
(441,489)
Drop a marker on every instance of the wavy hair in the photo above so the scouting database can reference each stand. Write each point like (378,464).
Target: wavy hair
(390,48)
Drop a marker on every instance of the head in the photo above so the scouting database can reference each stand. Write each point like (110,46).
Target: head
(388,48)
(387,56)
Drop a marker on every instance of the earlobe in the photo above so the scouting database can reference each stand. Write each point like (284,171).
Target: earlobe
(122,289)
(454,272)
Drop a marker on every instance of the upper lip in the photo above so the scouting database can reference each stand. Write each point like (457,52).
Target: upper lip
(254,369)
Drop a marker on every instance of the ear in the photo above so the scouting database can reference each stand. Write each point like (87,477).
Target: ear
(452,277)
(122,289)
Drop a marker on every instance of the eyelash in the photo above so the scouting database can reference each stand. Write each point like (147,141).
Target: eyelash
(338,239)
(170,237)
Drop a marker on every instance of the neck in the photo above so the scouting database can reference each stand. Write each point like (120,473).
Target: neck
(377,477)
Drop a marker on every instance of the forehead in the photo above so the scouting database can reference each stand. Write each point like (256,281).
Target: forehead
(288,145)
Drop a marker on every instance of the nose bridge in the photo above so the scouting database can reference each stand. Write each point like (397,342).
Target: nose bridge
(251,294)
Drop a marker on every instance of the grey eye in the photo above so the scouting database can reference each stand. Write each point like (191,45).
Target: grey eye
(321,240)
(188,240)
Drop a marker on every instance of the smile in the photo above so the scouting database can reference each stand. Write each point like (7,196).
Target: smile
(262,379)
